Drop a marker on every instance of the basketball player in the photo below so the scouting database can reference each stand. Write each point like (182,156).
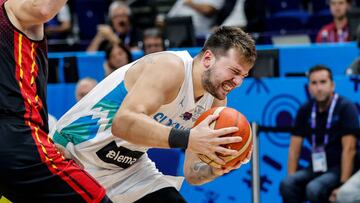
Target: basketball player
(31,169)
(153,102)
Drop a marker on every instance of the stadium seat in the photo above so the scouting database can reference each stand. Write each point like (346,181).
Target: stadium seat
(284,24)
(319,5)
(282,5)
(89,13)
(318,20)
(180,31)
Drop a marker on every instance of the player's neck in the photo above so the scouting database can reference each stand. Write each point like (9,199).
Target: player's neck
(196,77)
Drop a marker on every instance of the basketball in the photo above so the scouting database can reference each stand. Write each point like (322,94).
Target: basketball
(229,117)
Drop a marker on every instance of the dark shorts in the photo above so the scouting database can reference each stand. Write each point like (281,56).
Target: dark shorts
(165,195)
(32,170)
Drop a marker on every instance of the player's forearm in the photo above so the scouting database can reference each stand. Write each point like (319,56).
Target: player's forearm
(199,173)
(141,130)
(347,163)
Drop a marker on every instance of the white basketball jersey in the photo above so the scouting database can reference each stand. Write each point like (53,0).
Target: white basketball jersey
(85,131)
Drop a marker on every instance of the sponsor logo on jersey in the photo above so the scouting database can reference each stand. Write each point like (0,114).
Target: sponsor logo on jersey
(164,119)
(120,156)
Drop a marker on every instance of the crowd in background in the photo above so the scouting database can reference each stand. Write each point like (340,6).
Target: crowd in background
(78,27)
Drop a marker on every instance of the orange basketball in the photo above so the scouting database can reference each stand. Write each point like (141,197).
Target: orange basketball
(229,117)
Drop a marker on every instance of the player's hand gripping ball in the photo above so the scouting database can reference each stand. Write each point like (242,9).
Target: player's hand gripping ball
(229,117)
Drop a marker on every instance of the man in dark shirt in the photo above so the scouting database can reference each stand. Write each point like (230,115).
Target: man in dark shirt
(328,122)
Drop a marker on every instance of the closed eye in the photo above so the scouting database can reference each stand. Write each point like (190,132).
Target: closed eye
(237,72)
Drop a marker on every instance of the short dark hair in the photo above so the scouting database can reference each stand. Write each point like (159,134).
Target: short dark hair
(320,68)
(227,37)
(110,47)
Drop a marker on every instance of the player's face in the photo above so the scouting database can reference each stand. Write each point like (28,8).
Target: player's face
(338,8)
(226,73)
(320,86)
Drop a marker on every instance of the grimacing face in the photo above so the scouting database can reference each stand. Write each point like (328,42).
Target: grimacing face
(224,74)
(320,86)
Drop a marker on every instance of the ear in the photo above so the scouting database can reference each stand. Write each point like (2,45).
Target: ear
(207,58)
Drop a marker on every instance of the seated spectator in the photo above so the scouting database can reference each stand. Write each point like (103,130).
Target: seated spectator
(255,13)
(224,12)
(153,41)
(237,16)
(354,68)
(338,30)
(116,55)
(83,87)
(119,30)
(328,122)
(349,192)
(202,12)
(60,26)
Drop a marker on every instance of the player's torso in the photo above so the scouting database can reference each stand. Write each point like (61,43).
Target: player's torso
(86,128)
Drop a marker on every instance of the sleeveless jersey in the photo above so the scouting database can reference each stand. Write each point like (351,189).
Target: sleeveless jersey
(23,66)
(85,132)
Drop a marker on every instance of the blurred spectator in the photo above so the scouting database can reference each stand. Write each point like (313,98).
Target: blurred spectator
(203,13)
(224,12)
(349,192)
(338,30)
(153,41)
(83,87)
(59,27)
(255,15)
(116,55)
(119,30)
(328,122)
(237,16)
(354,68)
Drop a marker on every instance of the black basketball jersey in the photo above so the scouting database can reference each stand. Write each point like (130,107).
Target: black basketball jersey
(23,74)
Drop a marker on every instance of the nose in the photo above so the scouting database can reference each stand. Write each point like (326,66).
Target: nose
(237,80)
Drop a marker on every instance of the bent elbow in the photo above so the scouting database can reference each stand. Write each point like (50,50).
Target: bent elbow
(116,128)
(121,125)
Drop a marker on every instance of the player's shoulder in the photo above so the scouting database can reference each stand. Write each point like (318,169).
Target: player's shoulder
(175,58)
(164,62)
